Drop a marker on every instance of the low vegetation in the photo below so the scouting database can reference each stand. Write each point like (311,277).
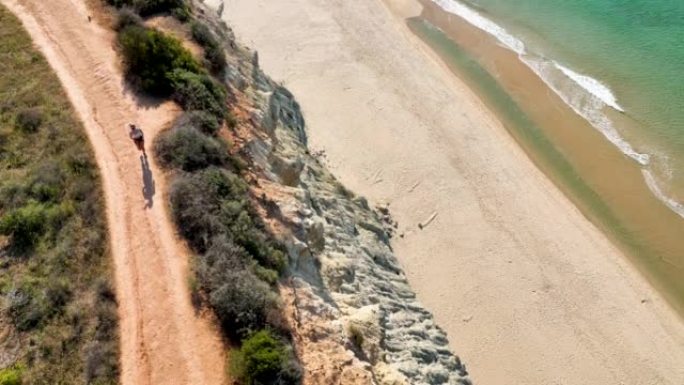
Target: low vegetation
(151,7)
(213,53)
(198,92)
(58,313)
(238,263)
(187,148)
(264,359)
(152,58)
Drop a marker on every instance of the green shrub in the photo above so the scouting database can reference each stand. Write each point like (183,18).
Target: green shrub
(202,35)
(213,202)
(265,359)
(195,91)
(29,120)
(12,194)
(25,224)
(201,120)
(11,376)
(47,182)
(57,294)
(213,52)
(265,274)
(182,14)
(186,148)
(26,309)
(127,17)
(198,201)
(216,58)
(100,362)
(29,308)
(150,58)
(240,300)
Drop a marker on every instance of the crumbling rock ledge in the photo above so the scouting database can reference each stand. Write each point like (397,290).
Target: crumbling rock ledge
(354,318)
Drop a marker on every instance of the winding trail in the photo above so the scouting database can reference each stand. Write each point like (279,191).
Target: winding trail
(163,340)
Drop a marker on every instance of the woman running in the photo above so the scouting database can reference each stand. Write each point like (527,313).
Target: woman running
(138,138)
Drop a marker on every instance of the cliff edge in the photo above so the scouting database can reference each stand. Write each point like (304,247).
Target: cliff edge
(353,315)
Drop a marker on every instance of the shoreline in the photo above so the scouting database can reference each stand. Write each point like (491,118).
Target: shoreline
(608,187)
(504,273)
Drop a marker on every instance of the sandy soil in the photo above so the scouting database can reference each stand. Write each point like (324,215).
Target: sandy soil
(529,291)
(163,340)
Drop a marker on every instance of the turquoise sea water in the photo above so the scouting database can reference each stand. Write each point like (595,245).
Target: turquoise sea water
(619,63)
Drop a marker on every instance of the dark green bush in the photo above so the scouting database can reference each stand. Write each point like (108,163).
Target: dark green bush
(195,91)
(187,148)
(29,120)
(120,3)
(127,17)
(181,14)
(265,359)
(213,202)
(240,300)
(216,58)
(100,362)
(213,52)
(47,183)
(202,35)
(150,7)
(201,120)
(29,309)
(198,200)
(150,58)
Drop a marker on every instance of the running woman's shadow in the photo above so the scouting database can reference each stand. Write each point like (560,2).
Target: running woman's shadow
(148,182)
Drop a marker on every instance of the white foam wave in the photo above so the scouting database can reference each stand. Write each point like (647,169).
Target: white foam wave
(592,86)
(658,192)
(585,95)
(587,98)
(587,105)
(483,23)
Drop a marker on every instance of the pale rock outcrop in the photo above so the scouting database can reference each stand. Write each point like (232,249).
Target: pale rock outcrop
(355,320)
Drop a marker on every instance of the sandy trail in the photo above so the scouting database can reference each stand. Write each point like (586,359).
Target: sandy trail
(529,291)
(163,340)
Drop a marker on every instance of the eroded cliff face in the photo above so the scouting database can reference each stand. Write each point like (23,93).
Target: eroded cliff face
(354,317)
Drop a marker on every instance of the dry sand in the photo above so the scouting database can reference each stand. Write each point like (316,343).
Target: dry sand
(529,291)
(163,340)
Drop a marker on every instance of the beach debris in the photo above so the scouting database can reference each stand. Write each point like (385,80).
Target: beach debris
(467,318)
(425,224)
(414,186)
(376,177)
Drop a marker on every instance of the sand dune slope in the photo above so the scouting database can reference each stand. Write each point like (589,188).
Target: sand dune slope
(163,341)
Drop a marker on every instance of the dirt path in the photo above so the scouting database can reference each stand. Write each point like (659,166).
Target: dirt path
(163,341)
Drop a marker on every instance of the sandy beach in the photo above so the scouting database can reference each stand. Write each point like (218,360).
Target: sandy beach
(528,290)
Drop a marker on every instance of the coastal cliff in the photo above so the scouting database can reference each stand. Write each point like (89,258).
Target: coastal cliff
(352,313)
